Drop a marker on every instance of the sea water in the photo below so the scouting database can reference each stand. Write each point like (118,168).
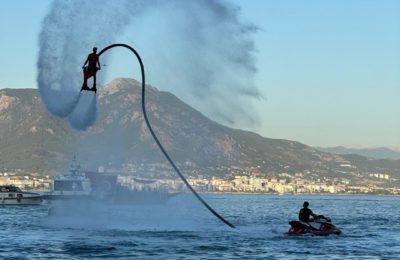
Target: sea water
(183,229)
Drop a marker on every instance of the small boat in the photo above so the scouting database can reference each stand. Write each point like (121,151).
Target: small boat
(320,226)
(73,185)
(12,195)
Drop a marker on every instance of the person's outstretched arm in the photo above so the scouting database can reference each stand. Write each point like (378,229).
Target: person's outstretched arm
(86,61)
(312,214)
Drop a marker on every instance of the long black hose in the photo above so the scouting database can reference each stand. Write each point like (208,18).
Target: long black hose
(155,137)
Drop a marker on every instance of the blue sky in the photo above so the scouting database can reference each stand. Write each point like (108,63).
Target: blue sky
(330,70)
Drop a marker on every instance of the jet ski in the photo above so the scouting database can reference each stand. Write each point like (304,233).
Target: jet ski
(319,226)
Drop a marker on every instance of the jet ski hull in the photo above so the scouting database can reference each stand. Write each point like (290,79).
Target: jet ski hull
(299,228)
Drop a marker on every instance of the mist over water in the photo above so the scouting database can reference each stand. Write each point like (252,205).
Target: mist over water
(180,213)
(85,112)
(199,50)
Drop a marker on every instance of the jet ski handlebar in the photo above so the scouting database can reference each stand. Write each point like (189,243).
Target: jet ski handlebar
(322,217)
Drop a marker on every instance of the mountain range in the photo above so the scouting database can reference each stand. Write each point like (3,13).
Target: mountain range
(378,152)
(33,140)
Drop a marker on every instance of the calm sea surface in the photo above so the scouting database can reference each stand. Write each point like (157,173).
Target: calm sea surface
(182,229)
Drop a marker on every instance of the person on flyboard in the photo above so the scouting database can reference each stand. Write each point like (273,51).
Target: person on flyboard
(91,70)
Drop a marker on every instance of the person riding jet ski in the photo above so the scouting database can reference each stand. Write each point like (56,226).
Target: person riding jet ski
(319,225)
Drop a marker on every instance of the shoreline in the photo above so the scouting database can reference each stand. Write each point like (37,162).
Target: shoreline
(265,193)
(299,194)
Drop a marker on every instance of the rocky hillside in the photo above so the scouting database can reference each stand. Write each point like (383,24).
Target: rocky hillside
(33,140)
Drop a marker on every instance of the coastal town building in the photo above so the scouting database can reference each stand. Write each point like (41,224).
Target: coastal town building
(159,176)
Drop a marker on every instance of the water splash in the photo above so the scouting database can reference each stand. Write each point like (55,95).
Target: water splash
(205,55)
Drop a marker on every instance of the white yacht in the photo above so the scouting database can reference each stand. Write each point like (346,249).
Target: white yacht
(12,195)
(73,185)
(77,186)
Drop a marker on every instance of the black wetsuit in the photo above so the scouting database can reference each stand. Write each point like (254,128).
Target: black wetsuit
(304,214)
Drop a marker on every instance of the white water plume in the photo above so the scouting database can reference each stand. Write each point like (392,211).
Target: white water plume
(200,50)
